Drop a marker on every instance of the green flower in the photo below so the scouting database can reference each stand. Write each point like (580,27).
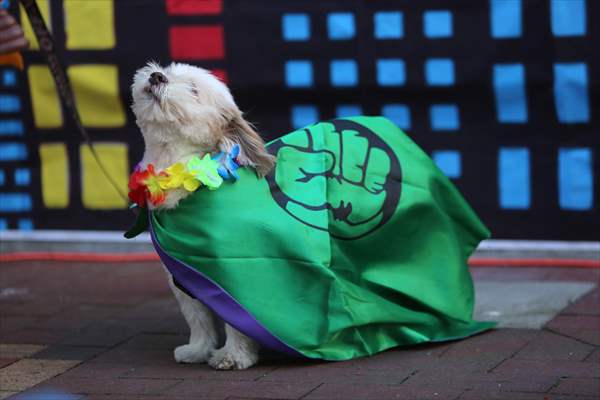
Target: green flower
(206,171)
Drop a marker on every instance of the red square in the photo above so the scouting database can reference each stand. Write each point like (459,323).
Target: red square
(197,42)
(221,74)
(194,7)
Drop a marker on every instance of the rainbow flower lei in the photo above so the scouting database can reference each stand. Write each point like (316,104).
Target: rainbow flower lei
(148,185)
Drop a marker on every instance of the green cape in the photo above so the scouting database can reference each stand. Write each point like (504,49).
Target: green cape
(354,244)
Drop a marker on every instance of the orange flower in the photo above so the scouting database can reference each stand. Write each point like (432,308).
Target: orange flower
(143,185)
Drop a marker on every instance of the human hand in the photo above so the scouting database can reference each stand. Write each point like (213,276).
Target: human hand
(12,37)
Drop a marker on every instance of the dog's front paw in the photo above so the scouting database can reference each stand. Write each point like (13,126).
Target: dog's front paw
(224,359)
(192,353)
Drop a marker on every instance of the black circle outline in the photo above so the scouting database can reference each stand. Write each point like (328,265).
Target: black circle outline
(392,186)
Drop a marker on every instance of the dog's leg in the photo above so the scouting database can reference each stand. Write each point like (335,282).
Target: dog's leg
(239,352)
(203,335)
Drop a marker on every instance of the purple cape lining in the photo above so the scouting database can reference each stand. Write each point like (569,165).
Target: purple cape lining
(218,300)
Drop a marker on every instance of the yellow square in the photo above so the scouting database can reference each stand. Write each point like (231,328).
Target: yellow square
(96,89)
(55,175)
(97,191)
(89,24)
(44,6)
(47,112)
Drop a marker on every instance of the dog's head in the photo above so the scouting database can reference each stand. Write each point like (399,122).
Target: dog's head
(182,102)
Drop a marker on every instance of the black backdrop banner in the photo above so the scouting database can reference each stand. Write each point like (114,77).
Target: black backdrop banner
(504,95)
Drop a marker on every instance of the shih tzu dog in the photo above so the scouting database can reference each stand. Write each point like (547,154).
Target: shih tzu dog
(184,111)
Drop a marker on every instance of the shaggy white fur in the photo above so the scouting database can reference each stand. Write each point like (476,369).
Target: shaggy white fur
(184,111)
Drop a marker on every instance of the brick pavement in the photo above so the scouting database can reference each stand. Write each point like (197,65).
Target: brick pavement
(106,332)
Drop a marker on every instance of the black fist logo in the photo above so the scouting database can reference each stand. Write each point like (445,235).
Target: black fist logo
(337,176)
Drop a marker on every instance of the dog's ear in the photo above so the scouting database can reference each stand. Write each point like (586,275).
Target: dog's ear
(252,147)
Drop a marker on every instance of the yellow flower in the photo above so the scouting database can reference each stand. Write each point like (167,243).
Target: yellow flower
(176,176)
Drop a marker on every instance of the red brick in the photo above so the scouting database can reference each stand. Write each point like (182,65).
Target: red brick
(465,365)
(99,370)
(10,324)
(146,341)
(352,373)
(77,317)
(105,333)
(333,391)
(398,357)
(124,397)
(498,395)
(589,322)
(197,371)
(108,386)
(457,379)
(594,357)
(579,386)
(35,336)
(37,394)
(7,361)
(34,308)
(197,42)
(501,343)
(154,309)
(64,352)
(551,346)
(583,327)
(194,7)
(556,368)
(135,357)
(221,389)
(588,304)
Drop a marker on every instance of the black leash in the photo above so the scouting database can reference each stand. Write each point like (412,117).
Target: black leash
(62,83)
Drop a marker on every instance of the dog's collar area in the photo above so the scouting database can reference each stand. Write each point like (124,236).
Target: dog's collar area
(148,185)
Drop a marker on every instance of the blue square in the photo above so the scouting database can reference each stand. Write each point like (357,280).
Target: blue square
(510,90)
(22,176)
(575,178)
(25,224)
(571,93)
(568,17)
(398,113)
(10,151)
(9,78)
(388,25)
(449,162)
(303,115)
(514,178)
(343,73)
(298,73)
(348,110)
(439,72)
(11,127)
(391,72)
(2,177)
(3,224)
(505,19)
(296,27)
(437,24)
(9,103)
(340,26)
(444,117)
(15,202)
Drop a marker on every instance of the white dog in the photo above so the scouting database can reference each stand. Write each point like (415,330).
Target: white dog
(184,111)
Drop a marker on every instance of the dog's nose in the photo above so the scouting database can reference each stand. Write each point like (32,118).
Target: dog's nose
(156,78)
